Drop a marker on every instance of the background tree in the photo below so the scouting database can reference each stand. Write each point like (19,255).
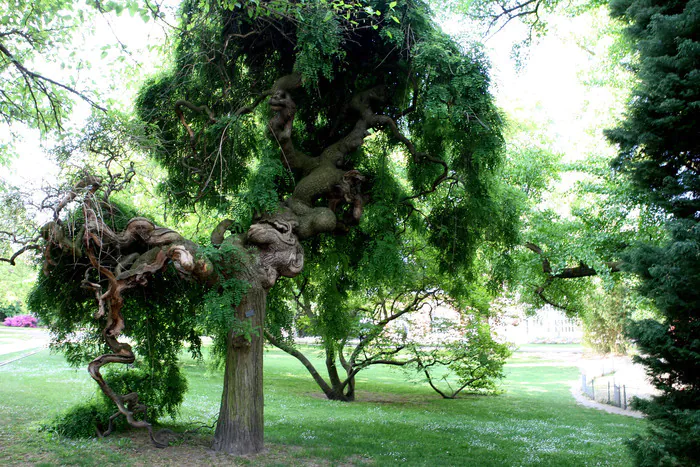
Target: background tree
(470,357)
(298,174)
(30,29)
(384,274)
(659,148)
(379,318)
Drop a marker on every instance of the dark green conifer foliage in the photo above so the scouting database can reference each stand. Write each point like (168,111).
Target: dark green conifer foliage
(659,139)
(659,143)
(670,349)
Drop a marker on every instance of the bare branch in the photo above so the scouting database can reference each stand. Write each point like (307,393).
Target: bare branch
(582,270)
(19,252)
(39,79)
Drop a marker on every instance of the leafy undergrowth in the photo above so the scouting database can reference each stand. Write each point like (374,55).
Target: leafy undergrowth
(534,422)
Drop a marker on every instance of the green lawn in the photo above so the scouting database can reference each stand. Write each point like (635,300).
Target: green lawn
(18,341)
(534,422)
(11,334)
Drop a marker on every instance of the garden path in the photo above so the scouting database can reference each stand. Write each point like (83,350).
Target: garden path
(619,369)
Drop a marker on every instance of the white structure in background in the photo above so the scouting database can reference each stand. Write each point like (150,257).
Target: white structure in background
(548,325)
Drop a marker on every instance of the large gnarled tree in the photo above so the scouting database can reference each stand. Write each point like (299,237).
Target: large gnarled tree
(316,125)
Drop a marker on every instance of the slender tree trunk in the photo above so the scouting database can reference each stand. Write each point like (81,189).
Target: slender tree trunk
(338,391)
(327,390)
(350,393)
(239,430)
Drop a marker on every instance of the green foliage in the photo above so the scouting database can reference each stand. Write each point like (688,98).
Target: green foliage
(83,420)
(658,139)
(475,360)
(160,388)
(217,318)
(10,309)
(341,49)
(161,391)
(29,29)
(672,438)
(220,158)
(260,192)
(605,317)
(605,217)
(219,315)
(319,37)
(158,319)
(658,147)
(280,317)
(669,348)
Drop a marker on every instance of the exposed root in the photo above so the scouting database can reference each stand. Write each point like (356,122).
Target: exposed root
(128,404)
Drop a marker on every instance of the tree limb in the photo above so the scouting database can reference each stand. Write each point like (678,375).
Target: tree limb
(302,358)
(38,79)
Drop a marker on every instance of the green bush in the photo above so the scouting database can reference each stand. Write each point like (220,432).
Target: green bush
(162,393)
(161,389)
(9,309)
(84,420)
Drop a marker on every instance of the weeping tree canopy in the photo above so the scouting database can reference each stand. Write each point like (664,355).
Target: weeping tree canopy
(346,131)
(334,74)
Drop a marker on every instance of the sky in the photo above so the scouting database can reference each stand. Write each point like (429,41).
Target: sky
(113,78)
(551,89)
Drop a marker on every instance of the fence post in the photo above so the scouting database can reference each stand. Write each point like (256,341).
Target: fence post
(617,395)
(624,397)
(608,392)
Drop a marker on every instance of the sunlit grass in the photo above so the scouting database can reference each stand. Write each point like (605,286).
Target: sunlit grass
(534,422)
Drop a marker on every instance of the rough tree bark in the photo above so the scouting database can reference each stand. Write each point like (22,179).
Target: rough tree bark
(240,427)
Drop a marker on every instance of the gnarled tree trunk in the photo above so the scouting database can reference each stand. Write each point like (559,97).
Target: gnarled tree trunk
(240,427)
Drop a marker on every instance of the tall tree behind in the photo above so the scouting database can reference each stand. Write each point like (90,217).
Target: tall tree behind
(659,142)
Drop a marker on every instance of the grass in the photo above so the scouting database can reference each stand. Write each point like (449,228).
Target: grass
(9,334)
(12,339)
(534,422)
(5,357)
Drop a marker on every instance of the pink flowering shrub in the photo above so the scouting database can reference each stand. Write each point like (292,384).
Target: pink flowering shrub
(20,321)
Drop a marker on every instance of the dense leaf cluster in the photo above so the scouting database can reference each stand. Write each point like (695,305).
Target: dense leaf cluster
(670,349)
(228,56)
(659,139)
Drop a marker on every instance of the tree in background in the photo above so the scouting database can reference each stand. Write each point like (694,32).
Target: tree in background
(572,260)
(378,318)
(659,147)
(30,28)
(303,176)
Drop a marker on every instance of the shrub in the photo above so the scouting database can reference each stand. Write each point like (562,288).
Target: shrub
(20,321)
(162,393)
(9,309)
(160,388)
(84,420)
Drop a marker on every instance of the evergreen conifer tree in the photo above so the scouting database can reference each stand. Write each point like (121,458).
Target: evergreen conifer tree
(659,142)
